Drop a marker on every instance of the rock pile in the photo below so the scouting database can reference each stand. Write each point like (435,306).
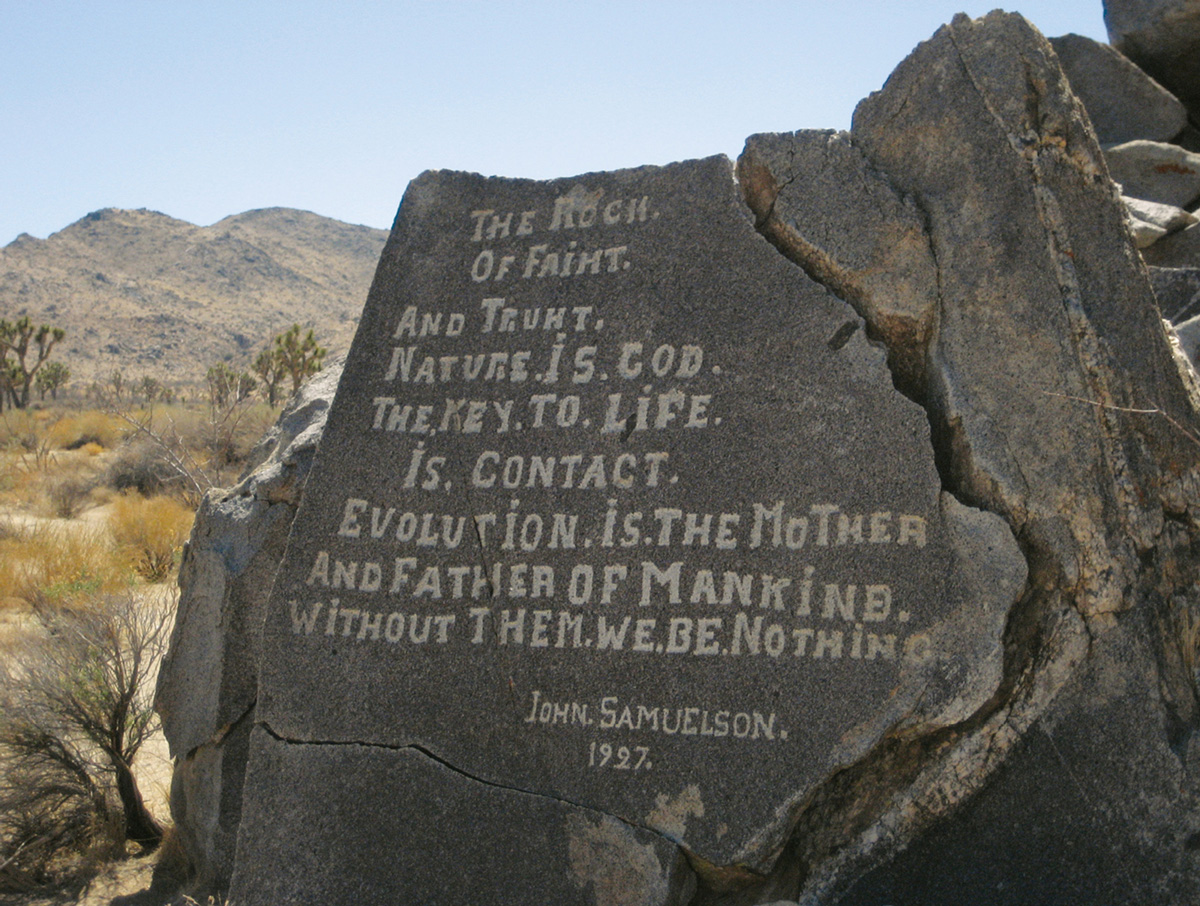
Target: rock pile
(1142,94)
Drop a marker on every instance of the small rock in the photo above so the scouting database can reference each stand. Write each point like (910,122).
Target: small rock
(1167,217)
(1122,101)
(1150,221)
(1177,250)
(1145,234)
(1177,290)
(1156,171)
(1188,334)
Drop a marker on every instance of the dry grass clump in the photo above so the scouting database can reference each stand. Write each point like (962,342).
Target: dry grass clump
(92,427)
(21,429)
(151,532)
(60,566)
(1187,621)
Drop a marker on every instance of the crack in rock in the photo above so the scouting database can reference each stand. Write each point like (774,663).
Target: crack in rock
(483,781)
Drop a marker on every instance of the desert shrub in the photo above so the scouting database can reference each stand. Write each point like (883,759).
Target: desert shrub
(188,449)
(60,566)
(17,426)
(142,466)
(68,491)
(75,430)
(226,435)
(75,709)
(26,434)
(151,531)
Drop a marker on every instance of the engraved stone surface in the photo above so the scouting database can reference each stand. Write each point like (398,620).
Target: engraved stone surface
(614,507)
(329,848)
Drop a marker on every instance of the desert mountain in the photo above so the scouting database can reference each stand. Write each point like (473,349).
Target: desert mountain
(152,295)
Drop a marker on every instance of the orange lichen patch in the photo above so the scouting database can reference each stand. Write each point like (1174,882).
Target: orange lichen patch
(1174,168)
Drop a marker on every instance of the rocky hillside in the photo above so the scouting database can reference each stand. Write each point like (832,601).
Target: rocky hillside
(150,294)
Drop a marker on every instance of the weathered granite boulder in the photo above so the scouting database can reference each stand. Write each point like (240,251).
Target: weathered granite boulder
(1144,234)
(779,503)
(1122,102)
(1056,401)
(1163,38)
(1156,171)
(207,685)
(969,220)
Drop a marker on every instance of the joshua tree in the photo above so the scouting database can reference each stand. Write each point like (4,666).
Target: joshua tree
(301,357)
(50,378)
(24,348)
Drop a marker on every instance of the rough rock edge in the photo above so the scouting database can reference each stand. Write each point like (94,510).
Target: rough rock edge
(905,796)
(274,477)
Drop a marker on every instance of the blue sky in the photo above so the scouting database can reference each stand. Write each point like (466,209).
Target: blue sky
(205,109)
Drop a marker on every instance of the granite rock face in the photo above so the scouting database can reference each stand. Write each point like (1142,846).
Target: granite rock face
(326,848)
(208,685)
(1122,102)
(1163,38)
(732,509)
(937,322)
(1044,376)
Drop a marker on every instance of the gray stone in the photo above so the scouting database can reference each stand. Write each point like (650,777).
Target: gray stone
(1155,171)
(1158,220)
(353,842)
(208,678)
(1188,334)
(891,277)
(1122,102)
(1145,234)
(1163,38)
(1177,290)
(1045,375)
(698,504)
(1179,250)
(207,684)
(206,808)
(1150,221)
(1097,804)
